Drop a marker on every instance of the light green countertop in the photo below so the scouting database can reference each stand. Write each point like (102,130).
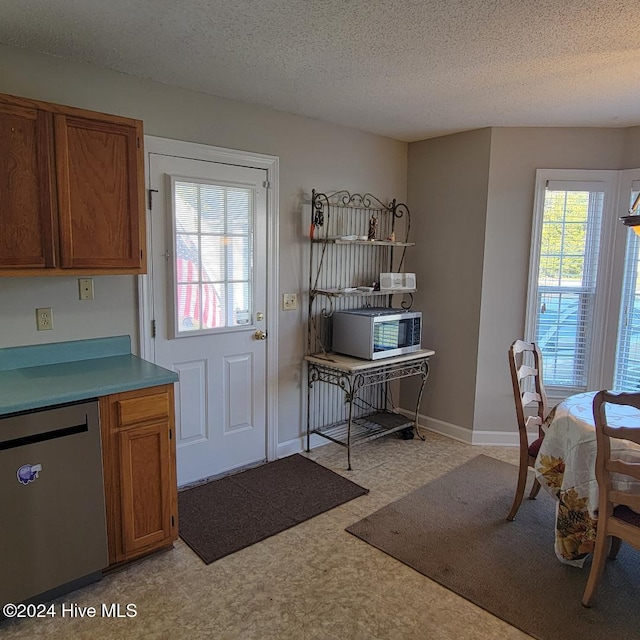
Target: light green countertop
(39,376)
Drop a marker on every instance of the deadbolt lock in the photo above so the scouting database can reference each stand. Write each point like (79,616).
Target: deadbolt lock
(259,316)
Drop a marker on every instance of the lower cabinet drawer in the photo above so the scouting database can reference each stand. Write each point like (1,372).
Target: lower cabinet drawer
(135,410)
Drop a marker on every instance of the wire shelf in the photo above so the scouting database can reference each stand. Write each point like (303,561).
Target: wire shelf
(365,428)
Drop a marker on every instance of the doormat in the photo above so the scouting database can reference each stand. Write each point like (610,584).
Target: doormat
(454,530)
(223,516)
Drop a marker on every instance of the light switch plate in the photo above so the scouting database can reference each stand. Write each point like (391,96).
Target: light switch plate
(289,301)
(85,285)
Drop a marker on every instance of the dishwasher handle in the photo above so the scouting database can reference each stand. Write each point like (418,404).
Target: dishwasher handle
(45,435)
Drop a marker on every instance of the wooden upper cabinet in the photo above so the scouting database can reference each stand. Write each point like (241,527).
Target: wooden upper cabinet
(26,197)
(99,190)
(71,191)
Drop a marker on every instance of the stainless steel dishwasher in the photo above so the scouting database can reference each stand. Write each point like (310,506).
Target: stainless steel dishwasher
(52,515)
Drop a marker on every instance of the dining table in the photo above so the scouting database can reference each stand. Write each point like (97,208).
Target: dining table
(565,467)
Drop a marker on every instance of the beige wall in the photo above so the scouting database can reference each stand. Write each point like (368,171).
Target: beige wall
(447,195)
(471,197)
(470,194)
(631,158)
(312,155)
(516,153)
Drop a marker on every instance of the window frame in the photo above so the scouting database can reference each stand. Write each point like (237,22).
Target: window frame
(628,184)
(172,288)
(603,321)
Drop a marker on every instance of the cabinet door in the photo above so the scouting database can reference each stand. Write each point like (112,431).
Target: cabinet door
(100,175)
(26,197)
(145,461)
(139,460)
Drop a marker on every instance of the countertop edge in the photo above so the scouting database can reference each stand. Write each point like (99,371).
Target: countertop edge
(88,394)
(34,388)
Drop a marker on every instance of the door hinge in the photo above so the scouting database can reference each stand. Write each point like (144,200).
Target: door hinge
(138,141)
(266,184)
(151,192)
(170,434)
(173,521)
(141,254)
(153,328)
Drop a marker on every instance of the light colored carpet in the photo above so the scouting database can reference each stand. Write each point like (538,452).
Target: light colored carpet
(454,531)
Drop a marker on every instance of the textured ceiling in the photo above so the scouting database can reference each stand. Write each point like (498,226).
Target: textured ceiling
(408,69)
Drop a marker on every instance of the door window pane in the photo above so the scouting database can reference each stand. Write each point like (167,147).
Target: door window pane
(213,256)
(238,202)
(186,207)
(213,232)
(212,207)
(239,303)
(238,256)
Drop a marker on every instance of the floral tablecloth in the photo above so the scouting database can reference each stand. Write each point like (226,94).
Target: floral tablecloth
(565,467)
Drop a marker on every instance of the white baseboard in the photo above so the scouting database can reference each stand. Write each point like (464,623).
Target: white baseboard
(456,432)
(453,431)
(496,438)
(443,428)
(298,445)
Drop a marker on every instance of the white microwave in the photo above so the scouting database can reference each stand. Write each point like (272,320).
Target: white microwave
(376,332)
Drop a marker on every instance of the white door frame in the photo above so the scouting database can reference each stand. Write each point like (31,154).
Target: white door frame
(194,151)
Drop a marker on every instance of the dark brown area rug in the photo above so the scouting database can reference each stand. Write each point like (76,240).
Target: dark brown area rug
(226,515)
(454,531)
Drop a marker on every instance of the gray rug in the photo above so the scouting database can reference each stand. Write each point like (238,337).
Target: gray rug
(224,516)
(454,531)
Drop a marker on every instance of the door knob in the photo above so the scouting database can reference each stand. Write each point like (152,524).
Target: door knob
(260,335)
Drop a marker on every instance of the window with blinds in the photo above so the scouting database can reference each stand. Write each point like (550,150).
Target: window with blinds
(569,274)
(213,249)
(627,367)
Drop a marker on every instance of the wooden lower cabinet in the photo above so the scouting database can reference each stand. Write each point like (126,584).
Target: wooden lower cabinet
(139,461)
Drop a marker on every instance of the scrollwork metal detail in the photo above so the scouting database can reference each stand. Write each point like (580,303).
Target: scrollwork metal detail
(346,199)
(318,203)
(327,313)
(400,210)
(407,304)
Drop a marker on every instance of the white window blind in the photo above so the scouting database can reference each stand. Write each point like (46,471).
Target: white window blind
(565,256)
(627,367)
(213,241)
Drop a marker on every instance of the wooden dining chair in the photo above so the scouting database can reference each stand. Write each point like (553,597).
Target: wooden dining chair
(618,517)
(525,362)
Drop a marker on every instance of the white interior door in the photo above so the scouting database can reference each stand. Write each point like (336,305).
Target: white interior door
(209,241)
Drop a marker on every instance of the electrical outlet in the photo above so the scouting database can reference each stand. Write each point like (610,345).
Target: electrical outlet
(85,286)
(44,319)
(289,301)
